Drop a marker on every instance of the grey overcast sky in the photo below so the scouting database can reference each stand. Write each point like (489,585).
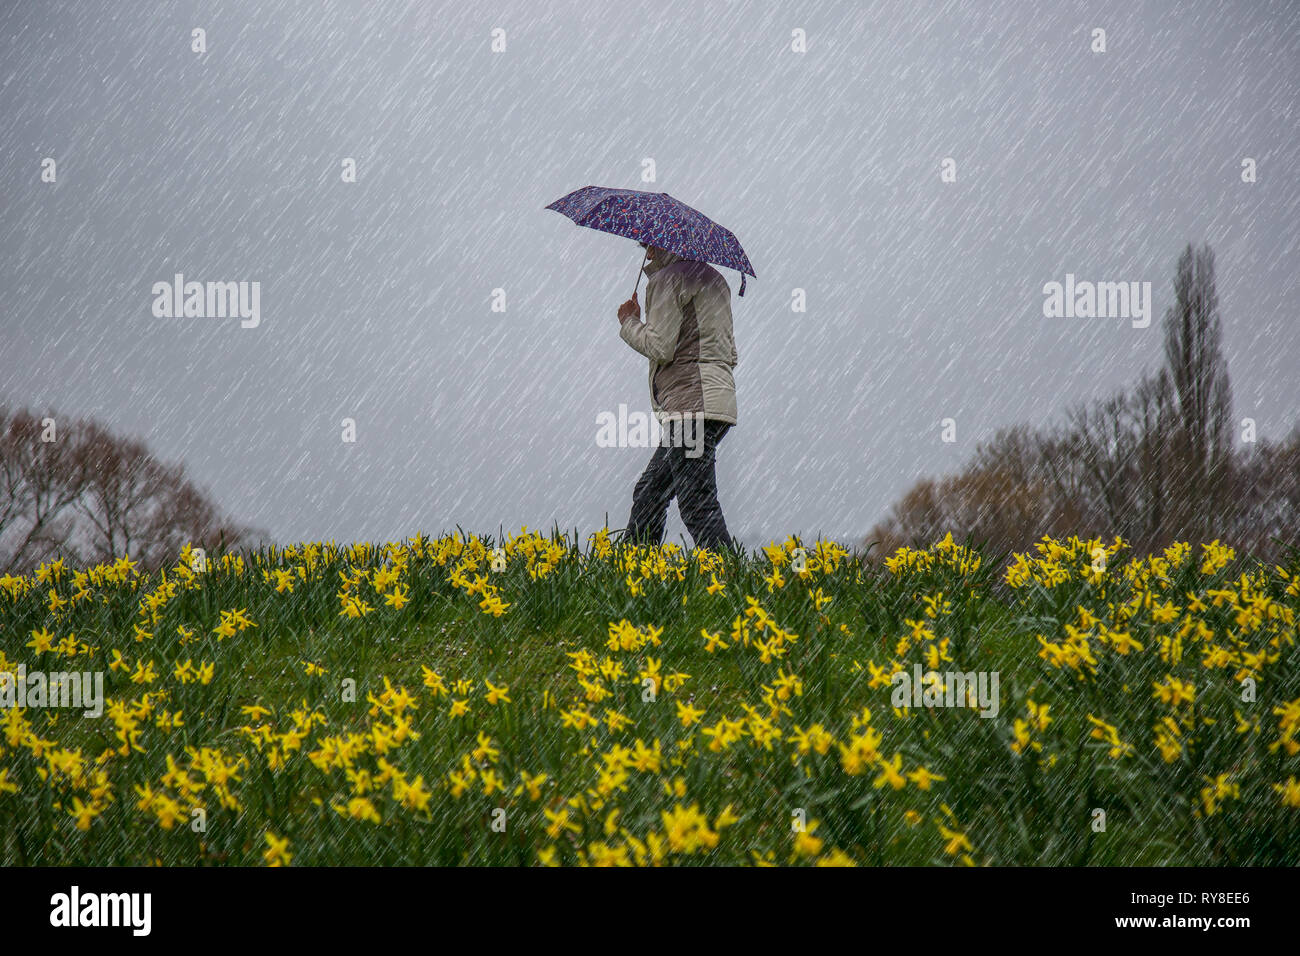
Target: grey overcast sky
(924,298)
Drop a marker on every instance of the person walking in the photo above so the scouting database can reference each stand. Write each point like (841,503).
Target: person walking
(687,337)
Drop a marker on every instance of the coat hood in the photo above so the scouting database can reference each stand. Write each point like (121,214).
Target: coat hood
(650,268)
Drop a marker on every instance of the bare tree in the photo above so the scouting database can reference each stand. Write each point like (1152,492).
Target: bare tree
(1153,411)
(1152,464)
(1199,372)
(1265,499)
(42,481)
(1001,497)
(92,496)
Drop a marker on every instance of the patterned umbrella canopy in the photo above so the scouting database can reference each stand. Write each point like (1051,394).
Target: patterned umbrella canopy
(658,220)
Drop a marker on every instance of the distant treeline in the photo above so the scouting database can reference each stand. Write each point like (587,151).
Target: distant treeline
(1162,461)
(70,488)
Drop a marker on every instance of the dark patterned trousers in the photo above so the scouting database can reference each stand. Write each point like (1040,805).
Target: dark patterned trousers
(682,467)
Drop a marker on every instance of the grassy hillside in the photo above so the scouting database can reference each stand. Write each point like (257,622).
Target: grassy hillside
(535,701)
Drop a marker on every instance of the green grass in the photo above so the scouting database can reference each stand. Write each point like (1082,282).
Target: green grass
(1031,808)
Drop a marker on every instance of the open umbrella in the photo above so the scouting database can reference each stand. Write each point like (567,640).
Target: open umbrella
(656,219)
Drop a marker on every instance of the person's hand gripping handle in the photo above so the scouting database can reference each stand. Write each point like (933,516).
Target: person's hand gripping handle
(629,309)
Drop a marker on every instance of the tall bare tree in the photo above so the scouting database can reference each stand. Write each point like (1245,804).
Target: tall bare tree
(1194,357)
(1152,464)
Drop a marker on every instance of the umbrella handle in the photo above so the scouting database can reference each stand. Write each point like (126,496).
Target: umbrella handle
(639,273)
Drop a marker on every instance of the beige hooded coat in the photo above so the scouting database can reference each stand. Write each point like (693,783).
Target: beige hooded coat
(688,339)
